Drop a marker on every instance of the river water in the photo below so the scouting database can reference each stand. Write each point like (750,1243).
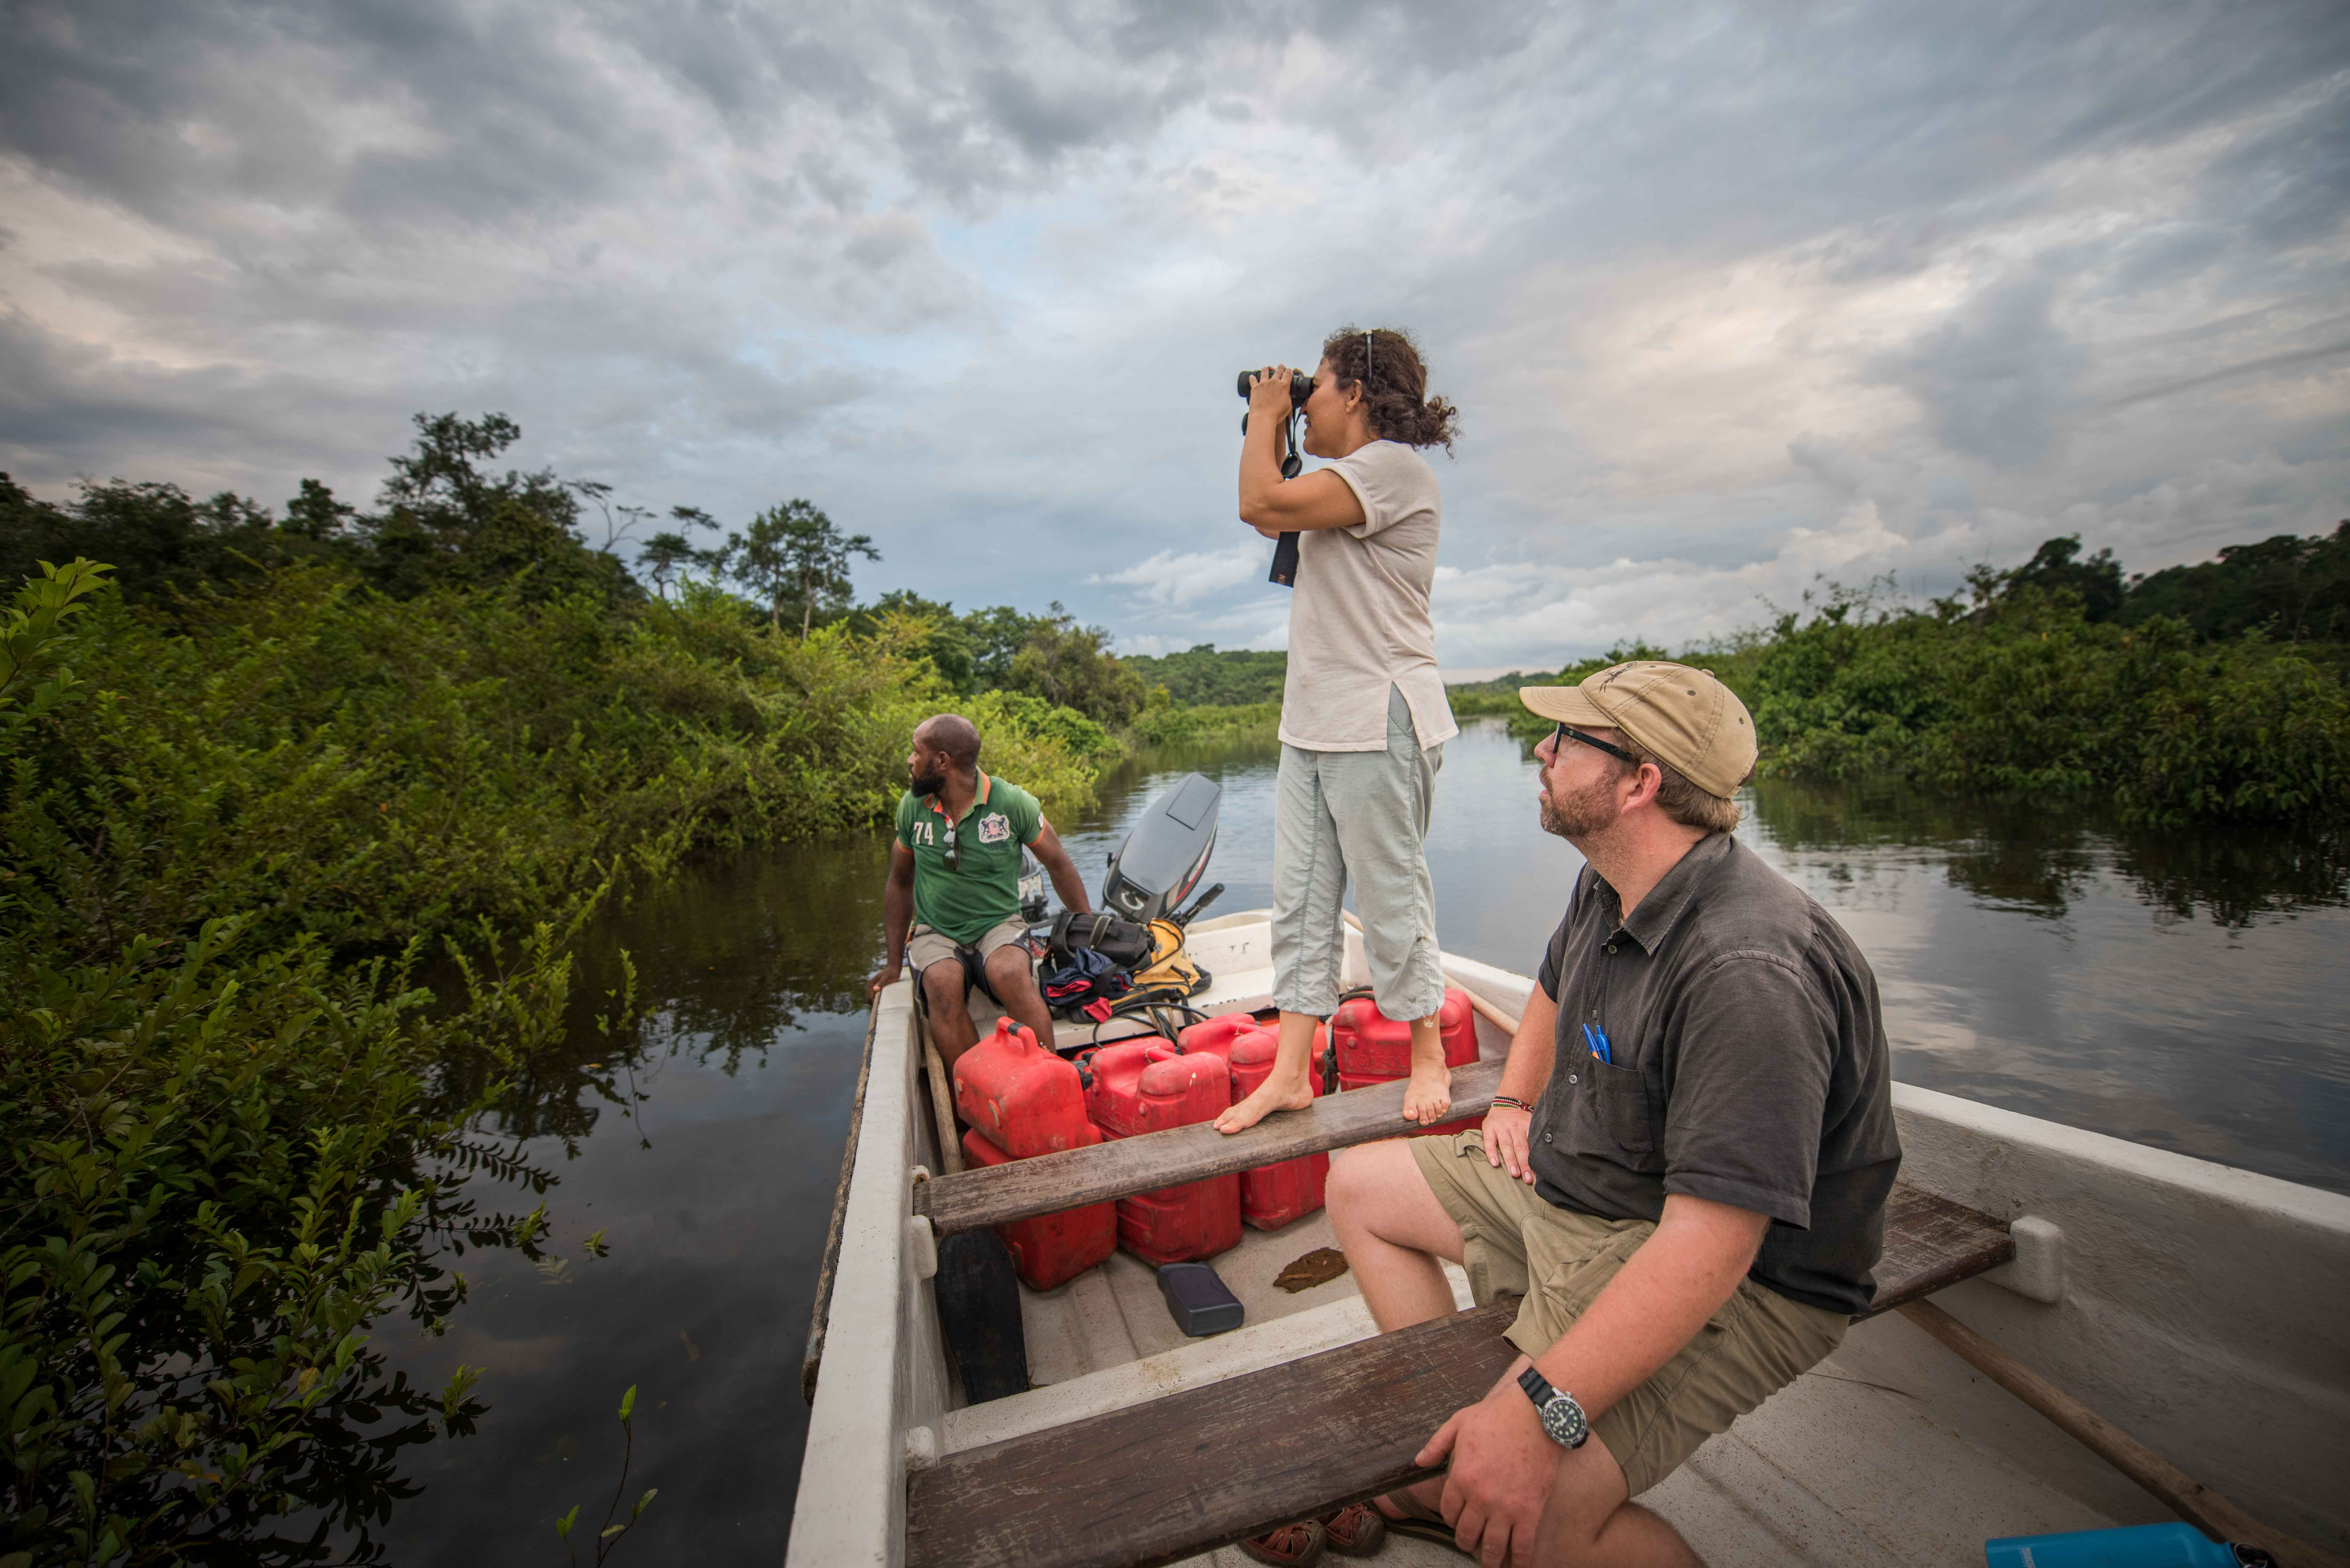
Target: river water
(2181,990)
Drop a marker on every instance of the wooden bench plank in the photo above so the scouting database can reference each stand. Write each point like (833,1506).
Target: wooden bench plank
(1163,1479)
(1930,1242)
(1169,1478)
(1123,1166)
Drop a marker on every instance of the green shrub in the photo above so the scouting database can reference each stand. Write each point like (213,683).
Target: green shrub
(2023,693)
(1482,702)
(2017,689)
(218,1172)
(1169,725)
(233,1128)
(1205,677)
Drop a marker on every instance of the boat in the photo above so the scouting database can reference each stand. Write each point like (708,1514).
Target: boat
(2197,1309)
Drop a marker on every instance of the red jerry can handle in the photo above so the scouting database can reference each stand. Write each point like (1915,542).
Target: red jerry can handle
(1007,1029)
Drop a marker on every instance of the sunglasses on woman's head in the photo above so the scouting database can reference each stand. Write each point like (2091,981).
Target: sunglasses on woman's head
(1566,735)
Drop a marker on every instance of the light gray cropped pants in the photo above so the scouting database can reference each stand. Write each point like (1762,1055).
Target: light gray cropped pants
(1362,815)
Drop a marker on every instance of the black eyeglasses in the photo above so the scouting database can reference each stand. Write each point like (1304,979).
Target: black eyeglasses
(948,852)
(1566,735)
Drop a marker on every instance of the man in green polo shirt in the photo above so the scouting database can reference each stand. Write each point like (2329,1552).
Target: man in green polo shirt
(954,874)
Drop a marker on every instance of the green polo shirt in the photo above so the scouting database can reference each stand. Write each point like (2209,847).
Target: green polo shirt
(982,888)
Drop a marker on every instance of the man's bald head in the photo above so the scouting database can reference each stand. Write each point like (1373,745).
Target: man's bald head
(953,733)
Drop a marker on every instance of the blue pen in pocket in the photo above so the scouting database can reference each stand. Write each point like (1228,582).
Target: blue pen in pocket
(1598,1040)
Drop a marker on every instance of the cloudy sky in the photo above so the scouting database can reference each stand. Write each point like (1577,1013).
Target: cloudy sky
(1731,299)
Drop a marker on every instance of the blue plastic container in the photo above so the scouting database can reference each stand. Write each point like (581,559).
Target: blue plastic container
(2171,1546)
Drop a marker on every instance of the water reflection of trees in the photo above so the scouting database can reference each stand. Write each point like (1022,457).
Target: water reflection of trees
(718,968)
(2039,857)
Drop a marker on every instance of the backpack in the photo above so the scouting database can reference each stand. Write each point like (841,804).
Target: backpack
(1123,943)
(1087,980)
(1084,977)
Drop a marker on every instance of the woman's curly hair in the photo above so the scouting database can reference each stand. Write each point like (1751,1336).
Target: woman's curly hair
(1386,362)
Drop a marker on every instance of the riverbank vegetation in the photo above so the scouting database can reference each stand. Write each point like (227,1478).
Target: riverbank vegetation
(1167,724)
(2198,694)
(2209,693)
(1204,676)
(265,778)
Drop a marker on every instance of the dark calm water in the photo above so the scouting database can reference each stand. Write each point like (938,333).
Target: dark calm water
(2184,990)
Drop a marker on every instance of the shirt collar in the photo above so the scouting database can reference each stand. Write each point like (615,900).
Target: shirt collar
(976,801)
(1675,891)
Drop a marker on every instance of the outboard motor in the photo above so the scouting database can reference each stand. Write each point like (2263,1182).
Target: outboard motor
(1164,856)
(1032,889)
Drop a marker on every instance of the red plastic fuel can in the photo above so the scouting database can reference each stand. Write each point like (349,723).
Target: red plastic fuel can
(1051,1249)
(1147,1086)
(1272,1196)
(1373,1048)
(1022,1098)
(1218,1033)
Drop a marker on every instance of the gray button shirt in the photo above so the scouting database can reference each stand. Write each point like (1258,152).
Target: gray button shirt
(1749,1067)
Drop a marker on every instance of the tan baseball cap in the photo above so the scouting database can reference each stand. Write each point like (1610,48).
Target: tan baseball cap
(1678,715)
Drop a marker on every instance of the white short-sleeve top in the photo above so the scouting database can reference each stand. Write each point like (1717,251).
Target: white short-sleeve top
(1359,620)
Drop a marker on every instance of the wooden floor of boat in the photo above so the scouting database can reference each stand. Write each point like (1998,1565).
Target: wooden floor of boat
(1133,1445)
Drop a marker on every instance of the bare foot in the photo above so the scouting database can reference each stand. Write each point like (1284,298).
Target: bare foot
(1274,1095)
(1429,1093)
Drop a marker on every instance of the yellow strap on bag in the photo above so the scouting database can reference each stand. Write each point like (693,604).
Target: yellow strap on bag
(1169,971)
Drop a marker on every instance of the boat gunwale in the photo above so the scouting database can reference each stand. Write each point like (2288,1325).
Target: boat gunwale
(2006,1163)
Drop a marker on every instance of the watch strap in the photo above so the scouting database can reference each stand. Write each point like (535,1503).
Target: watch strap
(1562,1415)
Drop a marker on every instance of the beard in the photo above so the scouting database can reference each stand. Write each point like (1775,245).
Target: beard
(1588,811)
(928,784)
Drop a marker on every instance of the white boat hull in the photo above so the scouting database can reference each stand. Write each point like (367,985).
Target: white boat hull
(2199,1308)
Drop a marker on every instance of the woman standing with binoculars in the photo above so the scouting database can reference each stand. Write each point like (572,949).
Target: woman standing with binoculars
(1363,715)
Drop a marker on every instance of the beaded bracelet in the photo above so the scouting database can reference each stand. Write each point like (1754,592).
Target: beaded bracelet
(1514,1103)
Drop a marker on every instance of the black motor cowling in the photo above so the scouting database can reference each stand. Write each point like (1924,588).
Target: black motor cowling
(1166,853)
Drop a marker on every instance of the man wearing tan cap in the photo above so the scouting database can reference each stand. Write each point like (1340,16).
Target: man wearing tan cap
(1684,1175)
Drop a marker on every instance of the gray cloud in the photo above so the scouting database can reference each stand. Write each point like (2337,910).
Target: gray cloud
(1728,299)
(2000,376)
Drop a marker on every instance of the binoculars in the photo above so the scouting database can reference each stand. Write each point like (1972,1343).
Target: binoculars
(1284,549)
(1300,386)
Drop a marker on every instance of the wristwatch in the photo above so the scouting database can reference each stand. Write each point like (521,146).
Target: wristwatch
(1561,1417)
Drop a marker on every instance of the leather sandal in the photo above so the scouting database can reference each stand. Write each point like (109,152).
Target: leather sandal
(1296,1545)
(1416,1519)
(1357,1530)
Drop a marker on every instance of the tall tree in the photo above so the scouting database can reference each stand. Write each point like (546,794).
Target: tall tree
(315,513)
(619,522)
(665,554)
(447,517)
(794,549)
(2295,587)
(2057,565)
(1072,665)
(662,556)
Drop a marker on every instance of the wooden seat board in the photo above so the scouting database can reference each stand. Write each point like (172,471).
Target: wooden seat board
(1930,1242)
(1172,1477)
(1169,1478)
(1121,1168)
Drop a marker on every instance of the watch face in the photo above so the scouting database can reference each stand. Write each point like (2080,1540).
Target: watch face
(1561,1417)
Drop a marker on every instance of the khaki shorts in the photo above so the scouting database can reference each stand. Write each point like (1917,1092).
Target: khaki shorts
(1560,1259)
(925,946)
